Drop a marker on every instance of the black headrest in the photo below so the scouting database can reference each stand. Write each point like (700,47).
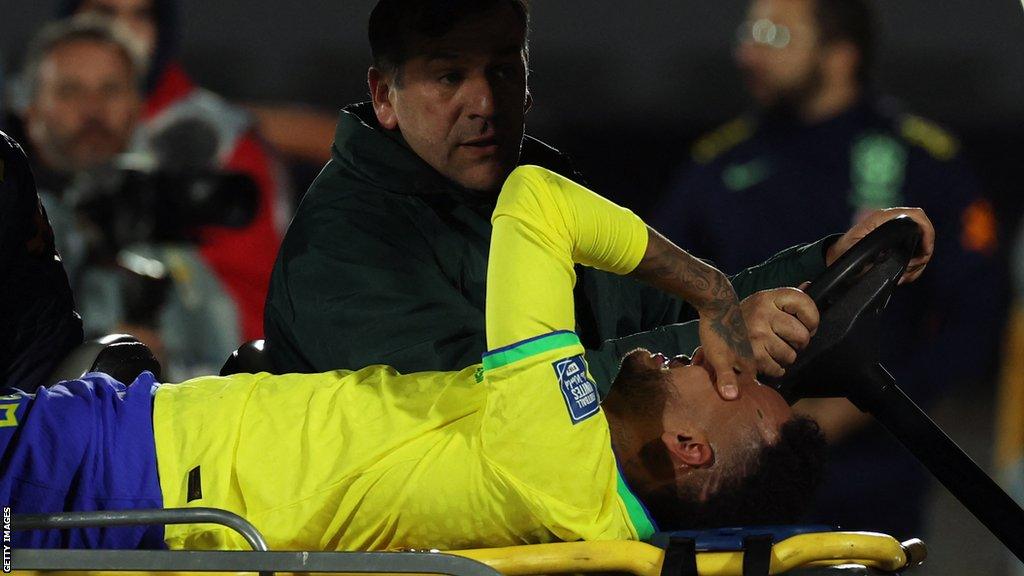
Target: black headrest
(250,358)
(121,356)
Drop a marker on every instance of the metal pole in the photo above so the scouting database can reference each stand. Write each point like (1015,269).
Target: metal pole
(946,461)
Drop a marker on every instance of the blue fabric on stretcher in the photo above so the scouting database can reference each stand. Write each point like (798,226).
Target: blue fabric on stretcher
(81,445)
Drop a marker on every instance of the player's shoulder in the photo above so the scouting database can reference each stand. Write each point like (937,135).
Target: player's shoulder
(918,132)
(723,139)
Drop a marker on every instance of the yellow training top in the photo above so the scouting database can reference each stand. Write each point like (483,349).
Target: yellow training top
(516,451)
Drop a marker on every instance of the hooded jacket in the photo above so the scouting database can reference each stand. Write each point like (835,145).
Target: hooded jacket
(385,262)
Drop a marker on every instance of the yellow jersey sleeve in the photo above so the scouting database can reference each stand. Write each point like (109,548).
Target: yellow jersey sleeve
(544,223)
(542,429)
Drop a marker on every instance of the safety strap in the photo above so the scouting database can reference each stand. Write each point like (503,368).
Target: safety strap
(680,557)
(757,555)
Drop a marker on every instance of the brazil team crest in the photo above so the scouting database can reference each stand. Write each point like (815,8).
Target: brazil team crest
(580,392)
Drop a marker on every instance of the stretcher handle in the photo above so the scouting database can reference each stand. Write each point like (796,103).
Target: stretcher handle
(165,516)
(28,562)
(878,551)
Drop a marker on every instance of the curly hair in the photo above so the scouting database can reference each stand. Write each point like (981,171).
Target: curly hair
(783,480)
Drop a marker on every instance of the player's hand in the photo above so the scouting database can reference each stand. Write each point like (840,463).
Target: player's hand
(725,350)
(877,218)
(780,323)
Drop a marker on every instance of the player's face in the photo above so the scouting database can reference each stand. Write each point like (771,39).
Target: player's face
(779,53)
(673,405)
(461,102)
(689,395)
(137,16)
(85,105)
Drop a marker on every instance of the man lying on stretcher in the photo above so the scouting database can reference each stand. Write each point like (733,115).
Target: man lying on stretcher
(515,451)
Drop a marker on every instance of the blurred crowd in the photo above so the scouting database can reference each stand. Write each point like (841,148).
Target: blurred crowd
(168,204)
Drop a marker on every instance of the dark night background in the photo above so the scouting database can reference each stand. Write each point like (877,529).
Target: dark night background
(624,87)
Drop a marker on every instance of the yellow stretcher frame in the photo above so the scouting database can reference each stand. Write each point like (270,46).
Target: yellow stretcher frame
(873,550)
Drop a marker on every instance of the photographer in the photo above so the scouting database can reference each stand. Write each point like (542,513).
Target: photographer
(132,257)
(240,259)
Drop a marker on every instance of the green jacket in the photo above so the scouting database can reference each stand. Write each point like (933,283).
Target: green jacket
(385,262)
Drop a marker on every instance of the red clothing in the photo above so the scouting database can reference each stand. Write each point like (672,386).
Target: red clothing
(173,86)
(241,258)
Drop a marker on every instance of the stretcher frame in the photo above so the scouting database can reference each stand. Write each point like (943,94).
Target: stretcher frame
(871,550)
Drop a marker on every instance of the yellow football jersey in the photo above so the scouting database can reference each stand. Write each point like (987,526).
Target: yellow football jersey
(516,451)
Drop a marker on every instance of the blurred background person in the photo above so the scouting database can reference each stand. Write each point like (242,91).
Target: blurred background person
(83,107)
(623,91)
(302,132)
(205,131)
(821,149)
(134,259)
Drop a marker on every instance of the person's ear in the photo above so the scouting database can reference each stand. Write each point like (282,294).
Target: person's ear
(688,449)
(380,91)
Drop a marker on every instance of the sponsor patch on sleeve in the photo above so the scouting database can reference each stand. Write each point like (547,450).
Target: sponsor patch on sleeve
(579,391)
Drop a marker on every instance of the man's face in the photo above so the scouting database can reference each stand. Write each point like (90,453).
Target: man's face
(461,102)
(85,105)
(137,16)
(683,398)
(779,53)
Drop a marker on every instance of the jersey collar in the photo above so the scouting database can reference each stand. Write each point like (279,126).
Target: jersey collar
(641,518)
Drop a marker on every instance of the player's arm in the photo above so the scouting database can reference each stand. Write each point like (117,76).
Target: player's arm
(722,330)
(538,428)
(544,223)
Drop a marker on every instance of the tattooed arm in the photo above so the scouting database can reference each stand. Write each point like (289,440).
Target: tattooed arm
(723,334)
(542,217)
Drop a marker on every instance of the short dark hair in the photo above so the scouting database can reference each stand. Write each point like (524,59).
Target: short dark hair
(395,25)
(784,478)
(852,21)
(84,27)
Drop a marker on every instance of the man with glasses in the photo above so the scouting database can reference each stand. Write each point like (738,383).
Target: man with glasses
(819,151)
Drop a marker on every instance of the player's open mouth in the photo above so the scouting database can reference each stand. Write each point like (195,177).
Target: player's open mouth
(680,360)
(667,363)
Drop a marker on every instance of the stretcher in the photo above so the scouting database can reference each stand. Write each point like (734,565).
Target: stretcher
(728,552)
(841,361)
